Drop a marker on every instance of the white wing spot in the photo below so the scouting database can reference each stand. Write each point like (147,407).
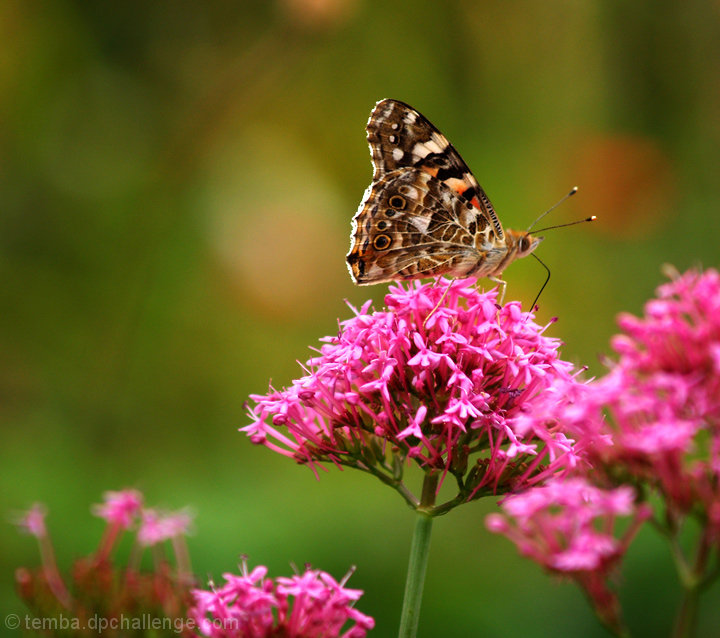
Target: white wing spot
(394,126)
(420,150)
(397,154)
(421,223)
(447,197)
(393,139)
(433,146)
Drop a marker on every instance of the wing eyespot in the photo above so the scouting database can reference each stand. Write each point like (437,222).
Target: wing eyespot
(382,242)
(382,225)
(397,202)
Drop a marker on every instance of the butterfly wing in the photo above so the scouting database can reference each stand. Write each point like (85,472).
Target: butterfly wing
(412,225)
(400,137)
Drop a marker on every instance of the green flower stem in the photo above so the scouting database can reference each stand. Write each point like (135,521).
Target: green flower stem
(685,622)
(419,551)
(693,581)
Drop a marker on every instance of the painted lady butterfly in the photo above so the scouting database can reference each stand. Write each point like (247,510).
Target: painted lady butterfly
(424,214)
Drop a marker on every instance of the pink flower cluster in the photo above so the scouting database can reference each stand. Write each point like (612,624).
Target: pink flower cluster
(671,358)
(652,422)
(439,377)
(555,524)
(567,526)
(124,510)
(308,605)
(95,585)
(33,521)
(655,417)
(119,509)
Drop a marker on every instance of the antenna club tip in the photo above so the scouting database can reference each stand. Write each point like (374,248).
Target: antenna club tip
(573,190)
(592,218)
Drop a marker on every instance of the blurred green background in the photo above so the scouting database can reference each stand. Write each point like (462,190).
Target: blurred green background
(177,181)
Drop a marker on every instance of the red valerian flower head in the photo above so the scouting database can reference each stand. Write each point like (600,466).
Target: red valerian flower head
(653,423)
(655,417)
(119,508)
(106,588)
(439,378)
(308,605)
(157,526)
(567,526)
(671,358)
(33,521)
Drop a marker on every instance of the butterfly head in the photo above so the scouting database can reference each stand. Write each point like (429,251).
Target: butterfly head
(521,243)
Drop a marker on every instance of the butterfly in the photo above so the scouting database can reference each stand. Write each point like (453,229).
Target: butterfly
(424,214)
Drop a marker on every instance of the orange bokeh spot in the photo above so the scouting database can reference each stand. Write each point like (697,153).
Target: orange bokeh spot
(282,261)
(627,181)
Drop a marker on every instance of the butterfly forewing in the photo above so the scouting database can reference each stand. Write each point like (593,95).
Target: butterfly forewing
(400,137)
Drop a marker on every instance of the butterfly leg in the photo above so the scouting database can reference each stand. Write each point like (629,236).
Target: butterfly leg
(502,287)
(437,305)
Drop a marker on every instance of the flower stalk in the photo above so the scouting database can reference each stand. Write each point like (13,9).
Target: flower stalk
(687,615)
(417,566)
(693,580)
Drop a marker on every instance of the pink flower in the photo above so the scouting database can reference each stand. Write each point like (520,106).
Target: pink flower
(669,357)
(33,521)
(156,527)
(567,526)
(308,605)
(445,391)
(119,508)
(555,523)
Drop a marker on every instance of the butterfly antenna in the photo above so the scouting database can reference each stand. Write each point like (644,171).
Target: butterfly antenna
(542,263)
(553,207)
(592,218)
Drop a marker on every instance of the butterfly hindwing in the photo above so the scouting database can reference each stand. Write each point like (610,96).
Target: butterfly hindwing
(400,137)
(412,225)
